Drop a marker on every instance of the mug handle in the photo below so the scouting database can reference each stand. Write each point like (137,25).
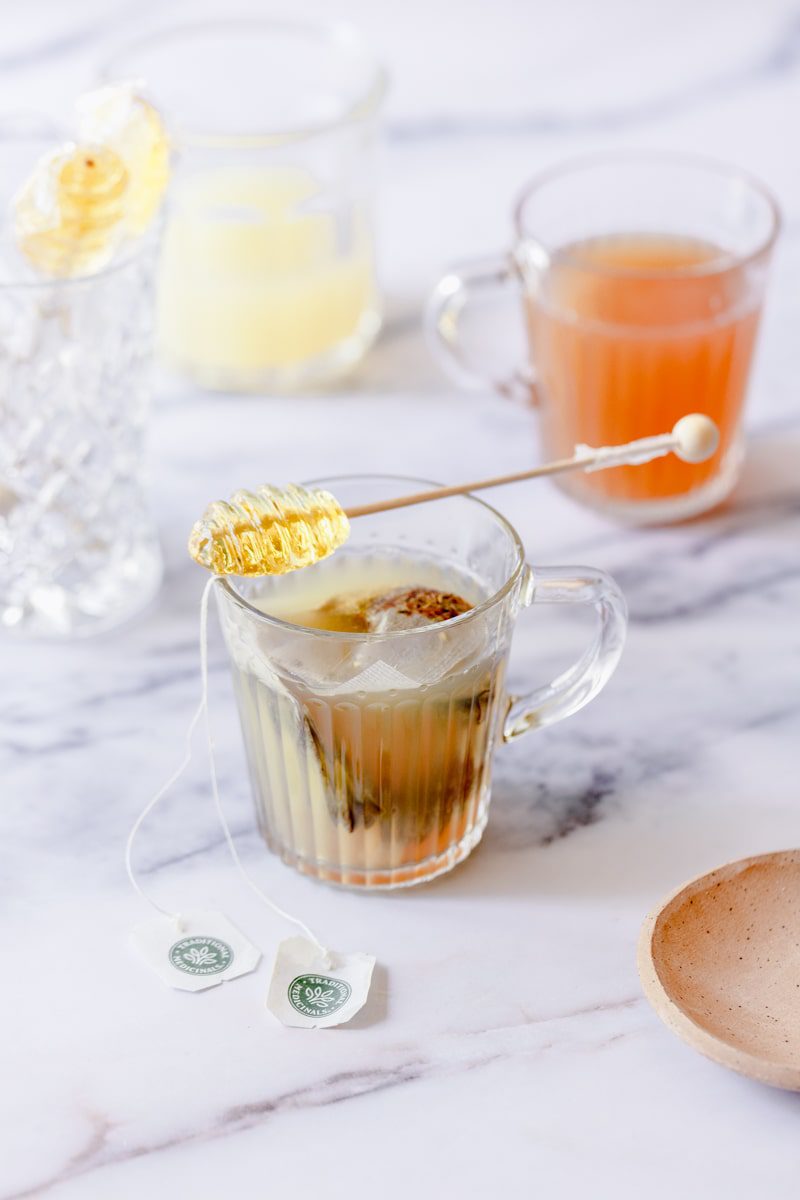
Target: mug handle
(581,682)
(446,303)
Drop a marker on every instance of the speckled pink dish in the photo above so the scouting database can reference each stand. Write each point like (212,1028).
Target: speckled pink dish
(719,961)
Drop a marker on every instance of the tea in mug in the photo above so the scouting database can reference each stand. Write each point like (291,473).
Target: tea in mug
(629,332)
(367,781)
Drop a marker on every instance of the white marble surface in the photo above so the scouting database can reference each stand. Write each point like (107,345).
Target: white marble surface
(507,1048)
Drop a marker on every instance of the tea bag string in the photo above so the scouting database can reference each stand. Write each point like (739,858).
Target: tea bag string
(202,711)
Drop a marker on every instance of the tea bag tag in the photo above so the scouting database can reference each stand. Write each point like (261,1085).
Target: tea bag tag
(312,988)
(196,950)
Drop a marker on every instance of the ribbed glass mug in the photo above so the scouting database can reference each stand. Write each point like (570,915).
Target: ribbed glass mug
(370,755)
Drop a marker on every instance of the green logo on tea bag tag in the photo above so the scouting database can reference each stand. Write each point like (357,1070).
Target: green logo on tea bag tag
(199,955)
(318,995)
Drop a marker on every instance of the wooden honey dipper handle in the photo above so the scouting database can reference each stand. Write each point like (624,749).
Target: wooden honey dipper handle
(693,439)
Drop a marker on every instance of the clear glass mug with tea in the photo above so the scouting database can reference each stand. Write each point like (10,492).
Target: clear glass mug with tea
(369,721)
(642,278)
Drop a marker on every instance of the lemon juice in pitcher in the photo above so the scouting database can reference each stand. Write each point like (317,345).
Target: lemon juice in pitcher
(261,272)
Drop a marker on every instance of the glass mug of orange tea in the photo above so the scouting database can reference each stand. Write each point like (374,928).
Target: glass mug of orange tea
(642,278)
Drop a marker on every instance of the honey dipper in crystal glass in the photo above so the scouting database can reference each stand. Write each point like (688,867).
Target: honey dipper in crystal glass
(368,622)
(79,238)
(85,199)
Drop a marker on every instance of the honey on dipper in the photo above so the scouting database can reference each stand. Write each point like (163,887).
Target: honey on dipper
(119,117)
(67,217)
(269,531)
(85,199)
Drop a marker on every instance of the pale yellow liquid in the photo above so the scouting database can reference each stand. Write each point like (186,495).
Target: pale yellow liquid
(257,275)
(373,786)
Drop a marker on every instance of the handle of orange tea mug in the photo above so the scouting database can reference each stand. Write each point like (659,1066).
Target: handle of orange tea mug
(581,682)
(453,294)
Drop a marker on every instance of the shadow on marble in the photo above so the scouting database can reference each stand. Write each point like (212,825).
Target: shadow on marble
(768,489)
(619,862)
(376,1008)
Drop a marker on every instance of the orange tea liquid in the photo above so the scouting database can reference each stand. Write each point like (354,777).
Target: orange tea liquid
(629,333)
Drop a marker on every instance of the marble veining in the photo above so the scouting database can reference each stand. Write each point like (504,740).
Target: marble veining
(506,1046)
(779,58)
(478,1049)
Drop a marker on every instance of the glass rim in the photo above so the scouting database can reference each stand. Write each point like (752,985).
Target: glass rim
(339,35)
(718,265)
(434,626)
(140,246)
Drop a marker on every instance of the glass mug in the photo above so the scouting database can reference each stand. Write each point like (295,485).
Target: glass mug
(642,278)
(370,755)
(267,278)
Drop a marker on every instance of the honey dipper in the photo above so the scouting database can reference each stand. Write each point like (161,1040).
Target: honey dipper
(275,530)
